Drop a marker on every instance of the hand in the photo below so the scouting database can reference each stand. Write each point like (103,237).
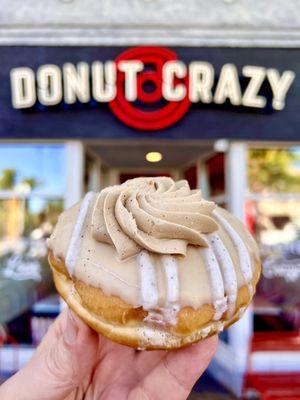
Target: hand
(73,362)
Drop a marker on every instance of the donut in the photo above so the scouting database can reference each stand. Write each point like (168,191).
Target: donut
(152,265)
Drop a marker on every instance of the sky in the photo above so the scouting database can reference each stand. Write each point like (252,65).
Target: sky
(45,163)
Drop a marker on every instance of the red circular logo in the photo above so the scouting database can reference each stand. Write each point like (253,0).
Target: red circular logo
(150,112)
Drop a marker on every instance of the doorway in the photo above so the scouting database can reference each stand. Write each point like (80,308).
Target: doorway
(113,162)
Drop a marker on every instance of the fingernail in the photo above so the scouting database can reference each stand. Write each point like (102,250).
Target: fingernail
(71,329)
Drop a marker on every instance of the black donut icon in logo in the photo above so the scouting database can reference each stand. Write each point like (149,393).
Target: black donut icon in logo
(149,111)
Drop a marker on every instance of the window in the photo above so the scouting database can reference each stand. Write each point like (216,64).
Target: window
(273,216)
(32,190)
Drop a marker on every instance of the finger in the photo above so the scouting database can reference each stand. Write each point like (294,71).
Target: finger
(107,346)
(177,372)
(59,365)
(113,361)
(145,361)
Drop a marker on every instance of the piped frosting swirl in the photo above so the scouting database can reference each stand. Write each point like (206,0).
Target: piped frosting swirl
(156,214)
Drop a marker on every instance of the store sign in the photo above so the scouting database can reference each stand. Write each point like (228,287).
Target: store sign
(149,88)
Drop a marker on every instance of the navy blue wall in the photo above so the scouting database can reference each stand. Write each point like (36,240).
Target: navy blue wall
(201,121)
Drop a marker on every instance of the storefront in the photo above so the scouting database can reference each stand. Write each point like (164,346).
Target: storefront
(87,117)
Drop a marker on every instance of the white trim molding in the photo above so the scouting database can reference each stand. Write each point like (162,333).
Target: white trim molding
(239,23)
(161,36)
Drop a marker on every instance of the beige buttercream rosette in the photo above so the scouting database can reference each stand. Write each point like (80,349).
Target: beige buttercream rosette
(156,214)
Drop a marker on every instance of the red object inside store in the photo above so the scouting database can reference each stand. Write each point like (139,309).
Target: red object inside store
(274,386)
(191,176)
(216,174)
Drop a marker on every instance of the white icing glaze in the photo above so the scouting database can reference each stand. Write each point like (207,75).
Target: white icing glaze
(75,240)
(148,283)
(167,314)
(155,317)
(216,280)
(170,268)
(109,272)
(227,269)
(170,314)
(244,256)
(162,316)
(171,278)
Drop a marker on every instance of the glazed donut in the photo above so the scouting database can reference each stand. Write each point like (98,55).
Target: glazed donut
(152,265)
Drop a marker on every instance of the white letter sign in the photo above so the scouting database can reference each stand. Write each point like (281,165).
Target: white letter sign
(257,76)
(130,69)
(280,86)
(201,81)
(76,82)
(228,86)
(49,85)
(104,81)
(172,70)
(22,87)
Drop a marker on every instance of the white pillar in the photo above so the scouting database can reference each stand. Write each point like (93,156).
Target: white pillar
(74,172)
(113,176)
(95,176)
(202,179)
(236,186)
(236,178)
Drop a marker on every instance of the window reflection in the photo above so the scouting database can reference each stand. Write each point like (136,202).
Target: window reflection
(273,216)
(274,170)
(28,168)
(32,187)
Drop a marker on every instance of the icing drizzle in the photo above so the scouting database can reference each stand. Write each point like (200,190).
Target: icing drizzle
(243,253)
(149,289)
(74,245)
(227,269)
(216,280)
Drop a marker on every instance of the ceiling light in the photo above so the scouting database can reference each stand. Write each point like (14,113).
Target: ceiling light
(154,156)
(221,145)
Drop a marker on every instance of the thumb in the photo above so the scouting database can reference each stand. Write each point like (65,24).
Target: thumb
(177,372)
(65,357)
